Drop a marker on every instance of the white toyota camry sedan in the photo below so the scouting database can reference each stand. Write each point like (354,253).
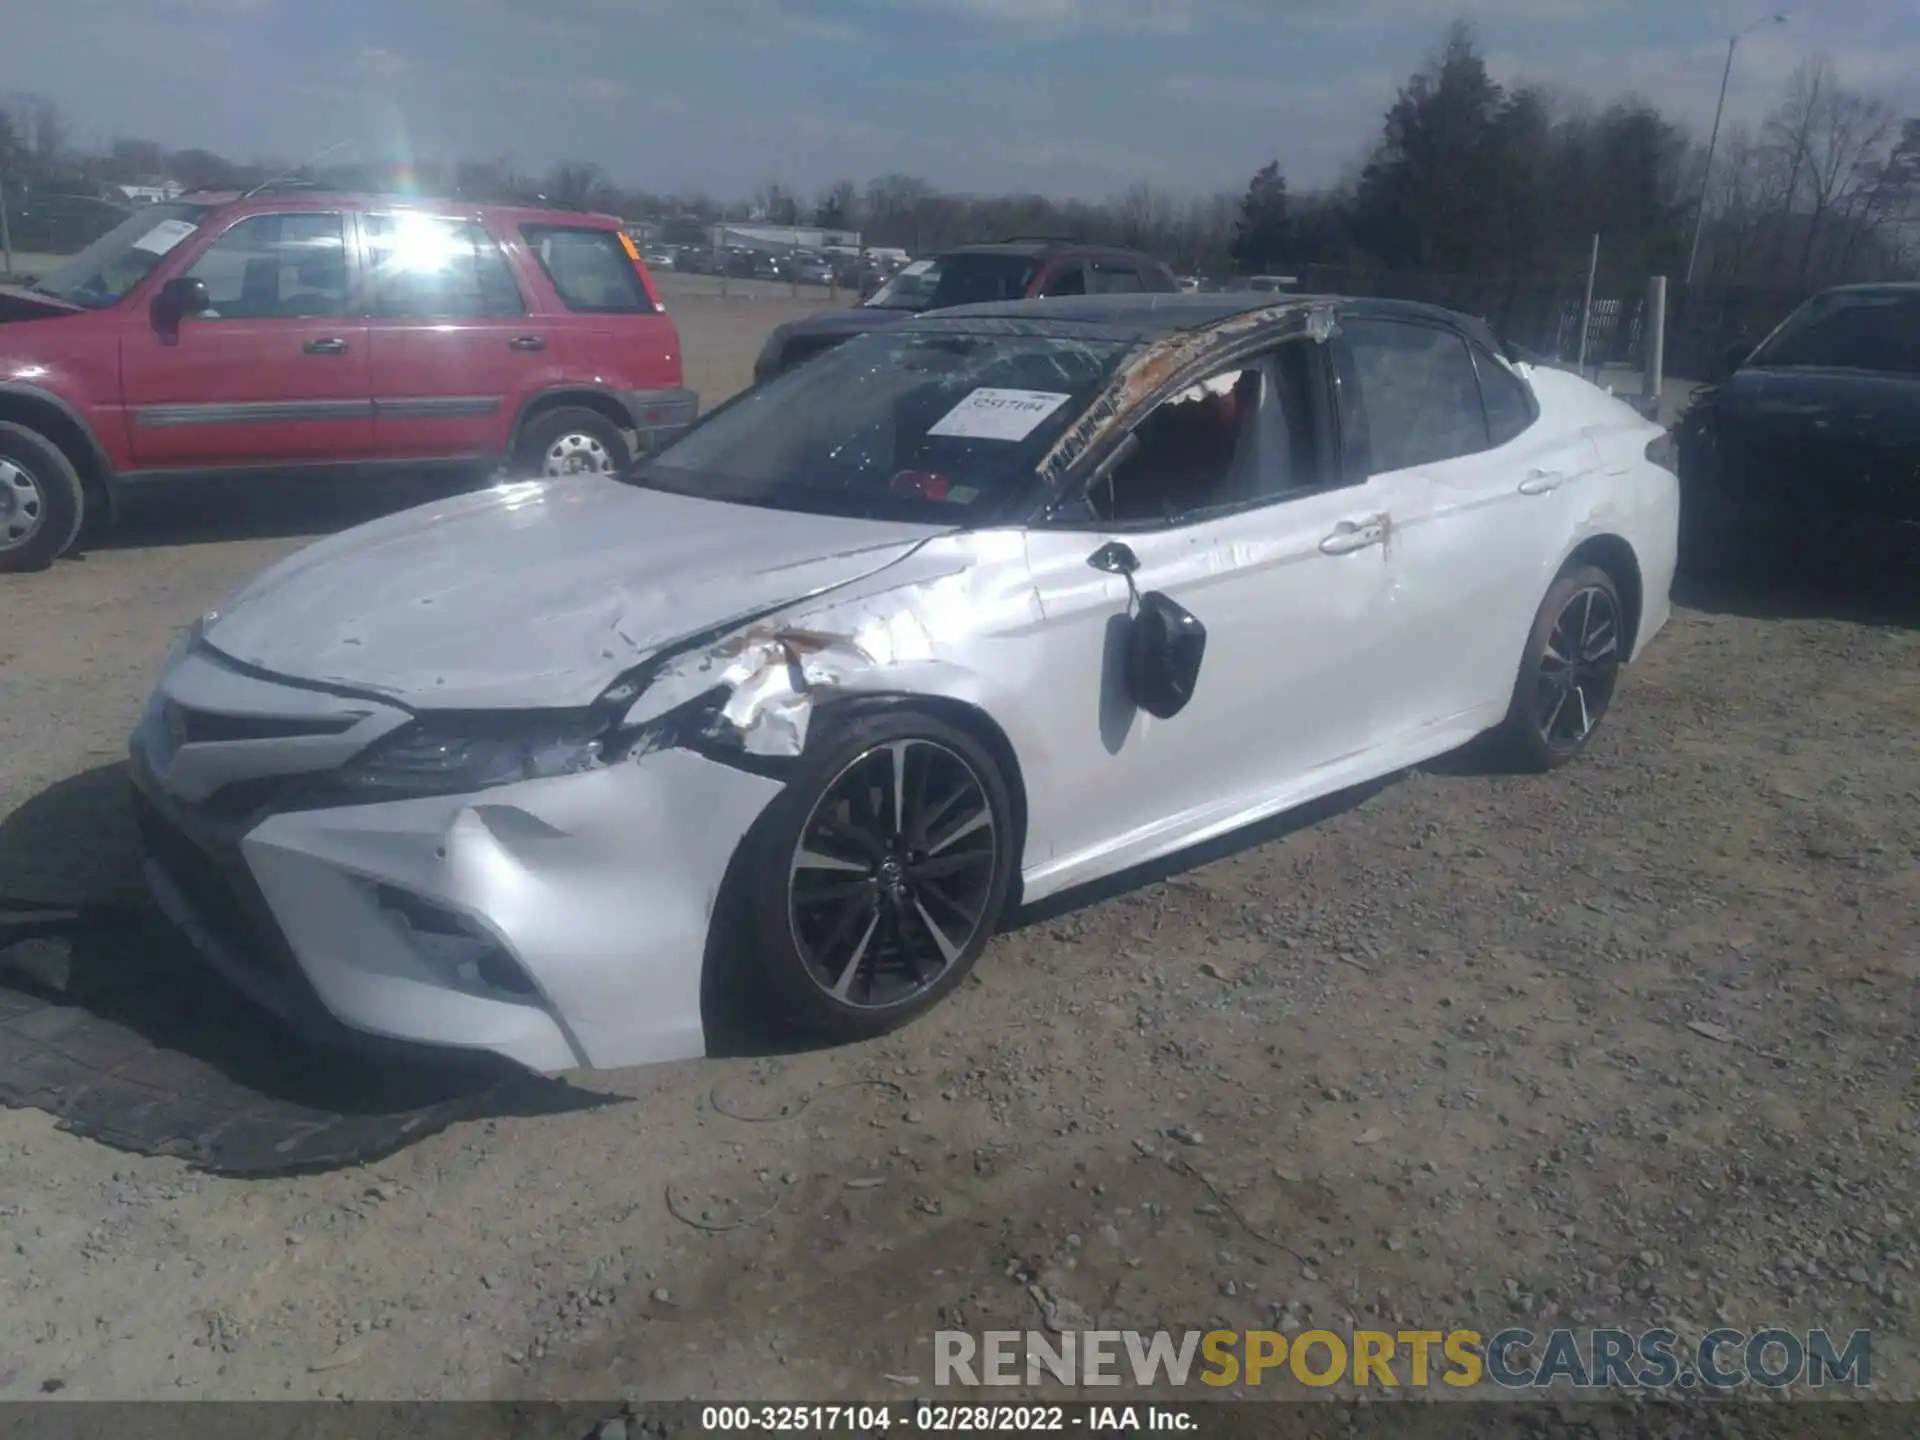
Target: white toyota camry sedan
(954,617)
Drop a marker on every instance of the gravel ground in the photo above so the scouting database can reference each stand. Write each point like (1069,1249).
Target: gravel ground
(1631,1043)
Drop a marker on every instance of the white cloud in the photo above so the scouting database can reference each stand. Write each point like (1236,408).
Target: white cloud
(1373,88)
(1151,16)
(1391,16)
(379,65)
(219,7)
(1195,16)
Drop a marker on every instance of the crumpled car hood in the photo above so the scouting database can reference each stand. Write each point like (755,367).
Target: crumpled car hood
(534,595)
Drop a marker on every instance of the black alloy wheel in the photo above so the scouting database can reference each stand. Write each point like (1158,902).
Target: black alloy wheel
(875,878)
(893,876)
(1578,668)
(1568,674)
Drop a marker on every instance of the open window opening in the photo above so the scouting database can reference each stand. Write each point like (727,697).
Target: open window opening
(1247,434)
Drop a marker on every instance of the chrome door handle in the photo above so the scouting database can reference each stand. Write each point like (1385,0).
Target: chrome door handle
(1540,482)
(527,342)
(332,345)
(1350,537)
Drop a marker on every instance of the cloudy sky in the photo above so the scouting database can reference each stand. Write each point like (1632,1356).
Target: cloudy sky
(1067,96)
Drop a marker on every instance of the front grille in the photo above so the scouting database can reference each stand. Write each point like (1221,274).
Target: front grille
(223,898)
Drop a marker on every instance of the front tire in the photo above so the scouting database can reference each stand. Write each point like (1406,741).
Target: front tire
(572,440)
(42,503)
(1568,672)
(878,876)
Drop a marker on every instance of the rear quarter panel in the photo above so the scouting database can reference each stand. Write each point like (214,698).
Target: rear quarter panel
(1632,498)
(601,351)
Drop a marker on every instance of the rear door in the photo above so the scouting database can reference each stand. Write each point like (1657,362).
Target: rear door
(453,345)
(612,331)
(610,321)
(276,371)
(1478,487)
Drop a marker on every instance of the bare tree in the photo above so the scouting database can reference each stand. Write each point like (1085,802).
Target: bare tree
(572,183)
(47,133)
(776,205)
(1144,217)
(839,207)
(1836,140)
(12,150)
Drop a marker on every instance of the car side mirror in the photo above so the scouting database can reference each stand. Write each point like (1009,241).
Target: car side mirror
(1731,359)
(1165,645)
(180,297)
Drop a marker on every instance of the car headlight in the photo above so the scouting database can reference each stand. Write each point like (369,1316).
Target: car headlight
(451,757)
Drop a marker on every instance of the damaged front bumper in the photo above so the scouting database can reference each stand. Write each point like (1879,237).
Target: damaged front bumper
(561,923)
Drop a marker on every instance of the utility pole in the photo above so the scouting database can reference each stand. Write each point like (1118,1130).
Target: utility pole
(1653,344)
(1713,138)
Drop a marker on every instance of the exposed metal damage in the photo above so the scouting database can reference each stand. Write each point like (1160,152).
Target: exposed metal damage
(767,679)
(770,676)
(1158,364)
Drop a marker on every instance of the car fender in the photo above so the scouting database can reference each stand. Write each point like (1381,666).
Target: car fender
(1614,540)
(96,463)
(574,391)
(930,629)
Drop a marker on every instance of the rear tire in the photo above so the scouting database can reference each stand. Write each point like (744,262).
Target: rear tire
(1567,673)
(42,503)
(571,440)
(861,917)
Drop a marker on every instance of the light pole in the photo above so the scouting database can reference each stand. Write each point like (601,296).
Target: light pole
(1713,138)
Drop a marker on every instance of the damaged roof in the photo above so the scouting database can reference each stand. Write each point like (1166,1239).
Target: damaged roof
(1146,317)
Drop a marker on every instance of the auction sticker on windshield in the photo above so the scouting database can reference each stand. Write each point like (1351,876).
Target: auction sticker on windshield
(989,414)
(164,236)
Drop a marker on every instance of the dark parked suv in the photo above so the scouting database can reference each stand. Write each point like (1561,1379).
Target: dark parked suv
(972,275)
(300,333)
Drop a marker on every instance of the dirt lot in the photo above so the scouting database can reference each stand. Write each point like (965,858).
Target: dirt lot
(1632,1043)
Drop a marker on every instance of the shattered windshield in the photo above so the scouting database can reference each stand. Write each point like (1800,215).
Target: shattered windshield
(951,280)
(893,425)
(120,259)
(1861,331)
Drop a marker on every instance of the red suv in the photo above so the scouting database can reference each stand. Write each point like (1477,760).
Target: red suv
(297,333)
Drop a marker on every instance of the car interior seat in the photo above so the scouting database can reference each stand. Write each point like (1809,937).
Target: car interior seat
(259,288)
(321,276)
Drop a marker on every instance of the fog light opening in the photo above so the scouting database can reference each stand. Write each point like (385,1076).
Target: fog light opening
(457,944)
